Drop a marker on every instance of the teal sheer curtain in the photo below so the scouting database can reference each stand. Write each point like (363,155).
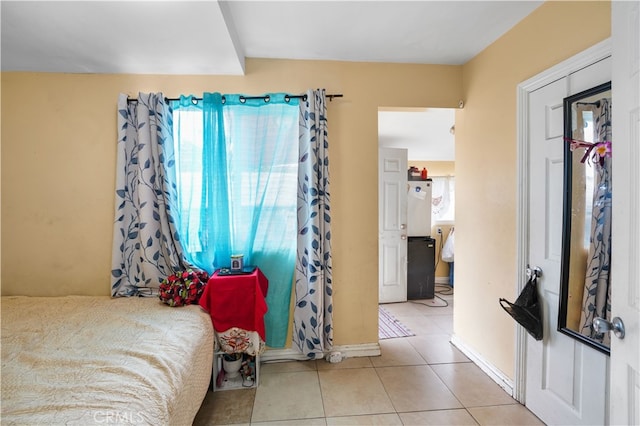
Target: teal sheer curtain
(237,167)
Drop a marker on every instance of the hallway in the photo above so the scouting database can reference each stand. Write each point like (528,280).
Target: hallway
(418,380)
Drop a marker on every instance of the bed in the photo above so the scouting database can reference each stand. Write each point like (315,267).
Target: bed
(80,360)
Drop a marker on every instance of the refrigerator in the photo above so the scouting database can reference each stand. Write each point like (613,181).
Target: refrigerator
(421,247)
(419,208)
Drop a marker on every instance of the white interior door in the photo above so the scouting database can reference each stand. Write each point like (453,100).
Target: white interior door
(566,380)
(392,224)
(625,264)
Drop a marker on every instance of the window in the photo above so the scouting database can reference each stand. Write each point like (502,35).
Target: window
(256,169)
(188,142)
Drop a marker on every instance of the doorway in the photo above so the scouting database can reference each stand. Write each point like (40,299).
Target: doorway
(428,136)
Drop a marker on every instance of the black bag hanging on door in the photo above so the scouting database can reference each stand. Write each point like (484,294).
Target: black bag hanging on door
(527,309)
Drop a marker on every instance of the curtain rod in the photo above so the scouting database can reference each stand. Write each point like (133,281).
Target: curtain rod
(243,98)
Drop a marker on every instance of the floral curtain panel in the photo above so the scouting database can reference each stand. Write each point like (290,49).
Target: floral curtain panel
(146,245)
(313,319)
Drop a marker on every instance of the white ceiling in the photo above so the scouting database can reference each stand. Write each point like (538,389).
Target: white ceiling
(425,132)
(215,37)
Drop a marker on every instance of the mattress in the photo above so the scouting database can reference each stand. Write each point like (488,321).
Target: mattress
(80,360)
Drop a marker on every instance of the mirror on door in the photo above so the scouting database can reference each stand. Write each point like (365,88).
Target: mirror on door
(586,238)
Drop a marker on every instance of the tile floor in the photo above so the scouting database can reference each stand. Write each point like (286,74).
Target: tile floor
(418,380)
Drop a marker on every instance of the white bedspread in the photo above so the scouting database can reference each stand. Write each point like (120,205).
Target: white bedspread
(83,360)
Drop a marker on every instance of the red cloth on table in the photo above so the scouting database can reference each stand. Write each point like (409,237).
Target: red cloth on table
(236,301)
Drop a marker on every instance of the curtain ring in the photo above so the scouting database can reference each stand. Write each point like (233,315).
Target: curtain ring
(287,98)
(267,98)
(243,99)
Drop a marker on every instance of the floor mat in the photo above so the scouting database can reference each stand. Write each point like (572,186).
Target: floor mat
(389,327)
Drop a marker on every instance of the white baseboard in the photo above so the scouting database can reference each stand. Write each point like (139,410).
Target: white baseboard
(442,280)
(496,375)
(347,351)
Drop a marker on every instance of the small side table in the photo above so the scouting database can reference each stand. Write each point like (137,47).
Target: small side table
(236,304)
(222,383)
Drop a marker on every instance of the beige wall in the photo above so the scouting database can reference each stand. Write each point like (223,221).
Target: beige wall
(486,166)
(58,169)
(436,168)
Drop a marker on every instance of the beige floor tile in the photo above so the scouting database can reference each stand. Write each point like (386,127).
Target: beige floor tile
(226,407)
(298,422)
(435,306)
(443,322)
(437,349)
(459,417)
(287,367)
(420,324)
(512,415)
(471,385)
(369,390)
(402,308)
(357,362)
(288,396)
(395,352)
(369,420)
(416,388)
(353,391)
(231,424)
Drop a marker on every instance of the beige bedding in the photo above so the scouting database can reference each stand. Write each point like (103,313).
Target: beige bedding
(83,360)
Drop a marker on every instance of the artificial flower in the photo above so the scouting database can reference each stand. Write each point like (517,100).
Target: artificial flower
(596,150)
(603,149)
(184,288)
